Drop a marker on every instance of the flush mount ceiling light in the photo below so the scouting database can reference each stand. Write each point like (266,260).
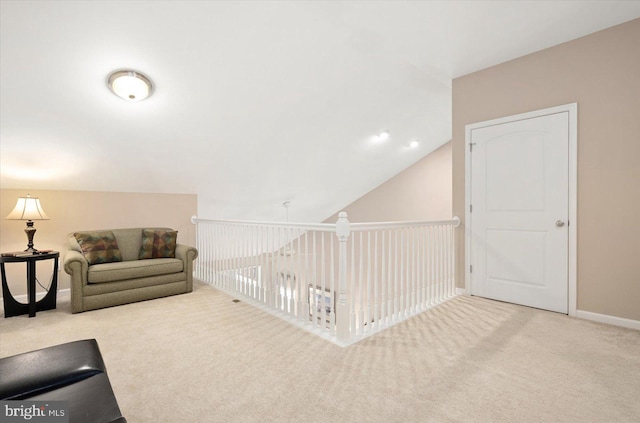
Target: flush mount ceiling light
(414,144)
(130,85)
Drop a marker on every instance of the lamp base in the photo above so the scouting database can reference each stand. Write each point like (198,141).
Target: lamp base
(30,231)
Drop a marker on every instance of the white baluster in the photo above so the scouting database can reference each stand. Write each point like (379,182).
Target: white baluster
(307,279)
(332,292)
(389,283)
(403,268)
(355,277)
(368,299)
(314,272)
(414,272)
(383,281)
(361,304)
(342,310)
(376,294)
(439,265)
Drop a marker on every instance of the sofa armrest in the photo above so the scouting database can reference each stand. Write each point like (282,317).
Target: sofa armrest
(74,261)
(77,267)
(35,372)
(187,254)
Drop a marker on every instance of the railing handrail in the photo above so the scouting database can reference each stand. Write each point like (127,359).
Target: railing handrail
(326,227)
(365,226)
(329,227)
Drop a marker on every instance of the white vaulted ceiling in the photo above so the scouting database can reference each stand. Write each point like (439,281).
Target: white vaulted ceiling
(255,102)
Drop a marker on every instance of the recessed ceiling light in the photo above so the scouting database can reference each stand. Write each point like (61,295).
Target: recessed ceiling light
(130,85)
(382,136)
(414,144)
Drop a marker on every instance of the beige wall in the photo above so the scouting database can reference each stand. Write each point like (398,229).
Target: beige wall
(420,192)
(601,72)
(82,210)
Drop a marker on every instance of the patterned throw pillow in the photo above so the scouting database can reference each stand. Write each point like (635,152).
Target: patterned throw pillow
(99,247)
(158,244)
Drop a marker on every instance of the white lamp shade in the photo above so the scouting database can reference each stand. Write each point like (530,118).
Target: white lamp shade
(28,208)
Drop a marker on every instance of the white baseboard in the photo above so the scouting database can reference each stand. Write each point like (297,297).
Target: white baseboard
(461,291)
(610,320)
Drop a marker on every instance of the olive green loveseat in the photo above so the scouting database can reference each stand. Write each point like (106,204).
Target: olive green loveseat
(119,275)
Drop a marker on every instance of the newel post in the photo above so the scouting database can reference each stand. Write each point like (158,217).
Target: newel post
(343,229)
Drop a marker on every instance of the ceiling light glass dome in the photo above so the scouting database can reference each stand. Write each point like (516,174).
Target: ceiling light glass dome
(130,85)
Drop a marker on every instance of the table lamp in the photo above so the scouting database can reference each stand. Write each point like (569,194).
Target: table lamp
(28,208)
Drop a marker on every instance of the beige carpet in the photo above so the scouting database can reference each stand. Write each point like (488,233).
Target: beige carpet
(202,358)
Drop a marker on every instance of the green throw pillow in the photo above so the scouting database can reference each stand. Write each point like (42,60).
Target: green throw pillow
(99,247)
(158,244)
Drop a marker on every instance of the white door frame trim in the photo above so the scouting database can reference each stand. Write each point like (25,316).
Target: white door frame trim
(572,109)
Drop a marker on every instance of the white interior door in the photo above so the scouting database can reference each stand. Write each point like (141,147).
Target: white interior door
(519,211)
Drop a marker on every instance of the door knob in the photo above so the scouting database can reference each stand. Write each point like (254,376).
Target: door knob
(559,223)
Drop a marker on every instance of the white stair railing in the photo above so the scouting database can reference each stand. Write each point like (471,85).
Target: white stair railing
(345,280)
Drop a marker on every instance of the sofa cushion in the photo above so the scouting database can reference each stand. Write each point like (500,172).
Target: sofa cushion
(158,243)
(99,247)
(111,272)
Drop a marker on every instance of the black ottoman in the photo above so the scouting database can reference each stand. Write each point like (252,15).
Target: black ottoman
(72,372)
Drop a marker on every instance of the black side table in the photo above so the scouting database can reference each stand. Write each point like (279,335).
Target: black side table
(15,308)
